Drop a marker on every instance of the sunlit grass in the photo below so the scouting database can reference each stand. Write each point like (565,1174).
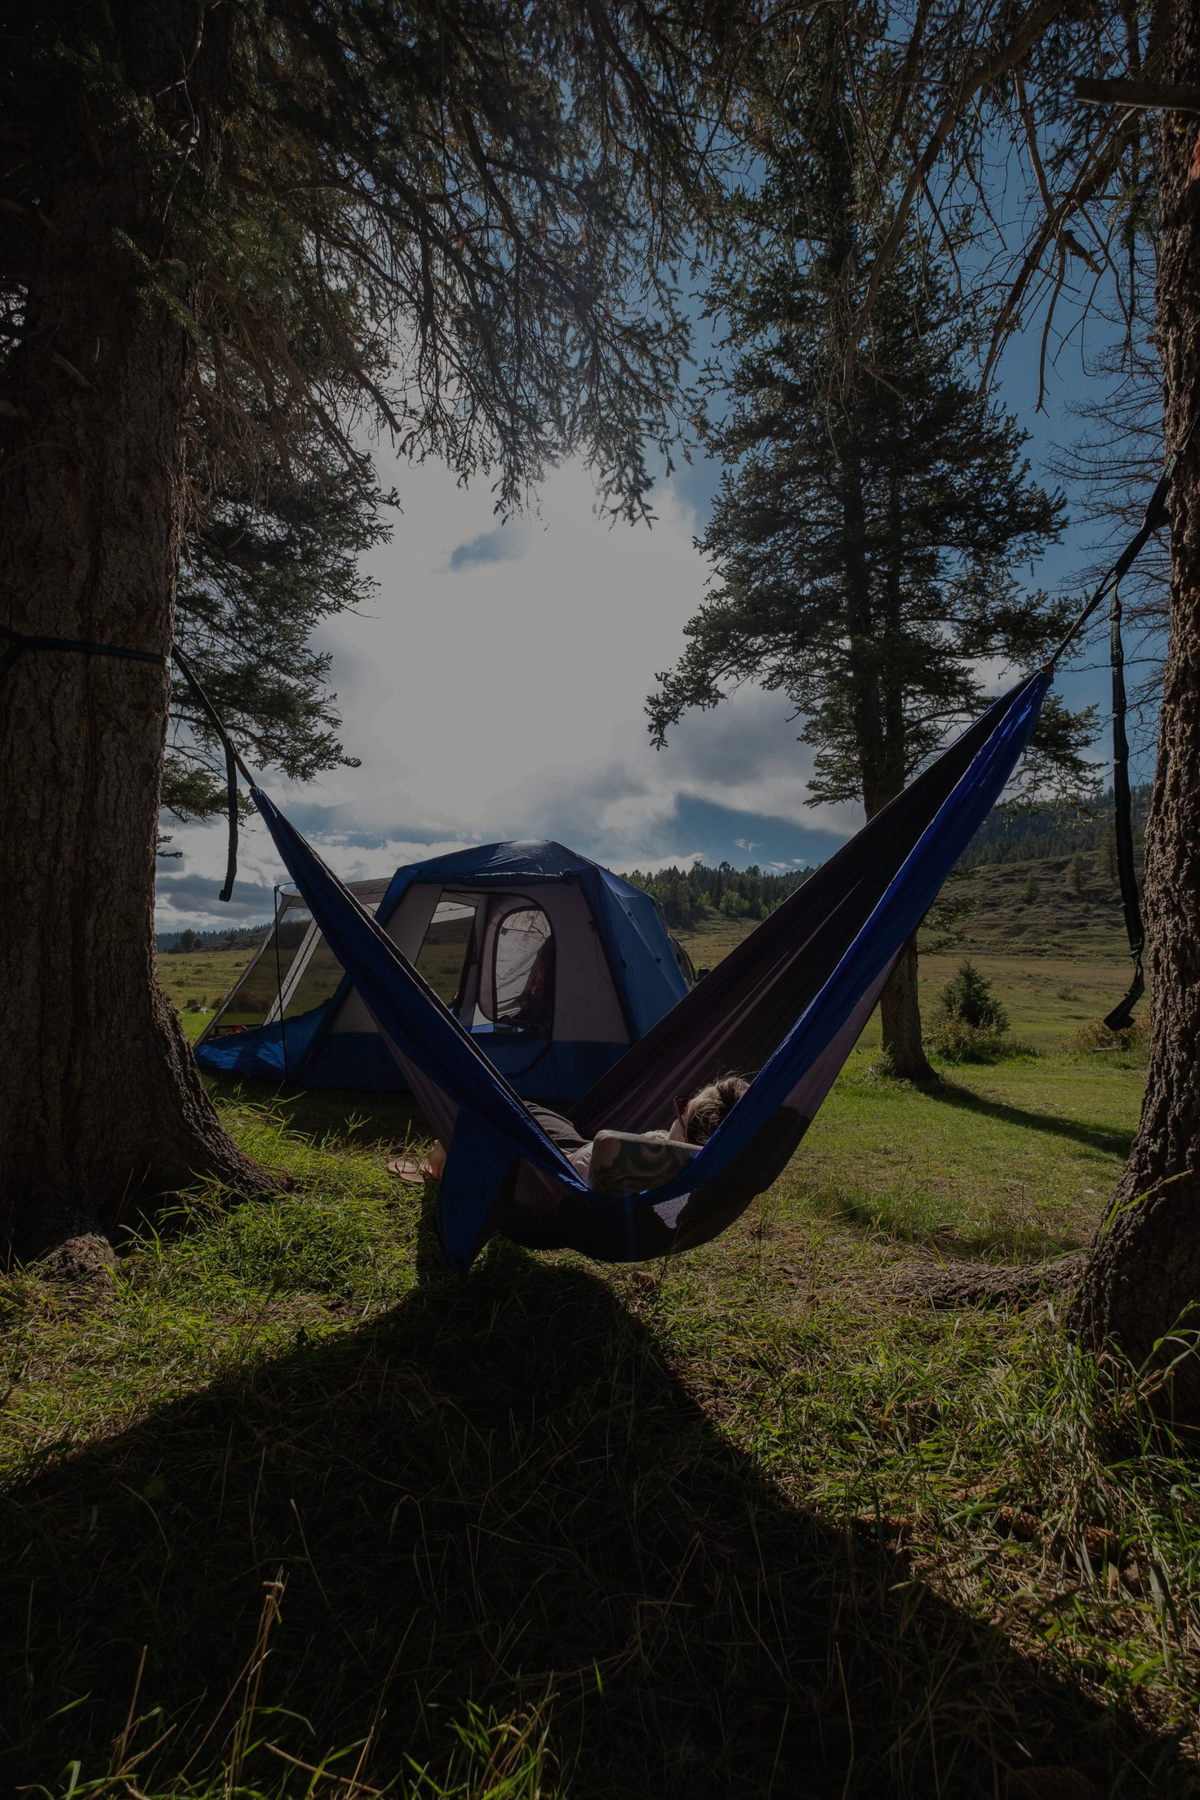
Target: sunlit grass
(1012,1159)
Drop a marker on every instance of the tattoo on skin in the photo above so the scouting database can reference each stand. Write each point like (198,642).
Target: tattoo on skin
(623,1163)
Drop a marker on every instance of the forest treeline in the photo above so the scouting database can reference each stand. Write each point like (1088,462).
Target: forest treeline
(236,938)
(688,895)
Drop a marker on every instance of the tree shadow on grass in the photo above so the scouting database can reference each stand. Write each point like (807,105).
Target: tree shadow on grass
(1093,1137)
(497,1492)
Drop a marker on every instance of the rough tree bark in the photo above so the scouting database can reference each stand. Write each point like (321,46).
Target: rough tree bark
(1144,1272)
(878,730)
(101,1105)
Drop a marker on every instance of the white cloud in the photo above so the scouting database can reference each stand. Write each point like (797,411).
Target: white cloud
(495,688)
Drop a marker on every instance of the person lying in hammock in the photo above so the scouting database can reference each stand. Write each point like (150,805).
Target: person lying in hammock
(625,1162)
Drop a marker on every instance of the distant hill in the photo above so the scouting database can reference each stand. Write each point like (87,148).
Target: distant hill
(1022,833)
(1032,908)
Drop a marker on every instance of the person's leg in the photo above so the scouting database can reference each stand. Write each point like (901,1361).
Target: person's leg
(560,1131)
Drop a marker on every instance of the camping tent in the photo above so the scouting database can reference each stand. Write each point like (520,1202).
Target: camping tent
(553,964)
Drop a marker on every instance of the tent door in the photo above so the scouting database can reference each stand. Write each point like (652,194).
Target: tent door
(516,977)
(291,981)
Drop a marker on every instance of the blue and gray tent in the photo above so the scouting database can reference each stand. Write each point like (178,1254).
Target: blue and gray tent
(551,963)
(785,1007)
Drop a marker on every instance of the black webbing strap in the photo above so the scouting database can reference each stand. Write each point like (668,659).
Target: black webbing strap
(19,642)
(1121,1016)
(233,763)
(1157,513)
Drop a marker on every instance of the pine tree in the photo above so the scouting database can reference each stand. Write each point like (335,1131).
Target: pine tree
(1077,873)
(873,503)
(970,999)
(232,237)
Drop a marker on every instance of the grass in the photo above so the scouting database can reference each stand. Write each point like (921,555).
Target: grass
(197,980)
(1013,1160)
(742,1523)
(285,1510)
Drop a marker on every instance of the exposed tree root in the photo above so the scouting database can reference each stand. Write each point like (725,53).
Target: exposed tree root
(989,1284)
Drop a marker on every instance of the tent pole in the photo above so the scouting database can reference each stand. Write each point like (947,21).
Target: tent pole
(279,988)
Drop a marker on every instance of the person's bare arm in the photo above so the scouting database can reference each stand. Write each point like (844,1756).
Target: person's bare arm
(623,1163)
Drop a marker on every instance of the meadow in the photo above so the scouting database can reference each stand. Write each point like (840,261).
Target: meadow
(288,1510)
(197,981)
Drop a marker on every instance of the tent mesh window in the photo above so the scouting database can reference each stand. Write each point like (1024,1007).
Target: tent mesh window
(445,953)
(293,972)
(313,978)
(256,996)
(522,984)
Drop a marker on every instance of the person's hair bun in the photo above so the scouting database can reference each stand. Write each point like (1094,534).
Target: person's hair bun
(705,1110)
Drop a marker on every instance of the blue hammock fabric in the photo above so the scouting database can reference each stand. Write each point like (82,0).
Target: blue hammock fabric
(786,1007)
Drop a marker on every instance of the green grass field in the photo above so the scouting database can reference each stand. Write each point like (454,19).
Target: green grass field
(197,981)
(745,1523)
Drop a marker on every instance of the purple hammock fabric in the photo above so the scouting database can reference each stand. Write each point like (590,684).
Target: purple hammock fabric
(784,1008)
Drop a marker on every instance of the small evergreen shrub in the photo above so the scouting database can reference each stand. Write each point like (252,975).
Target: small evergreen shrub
(1078,870)
(969,1000)
(971,1026)
(1031,891)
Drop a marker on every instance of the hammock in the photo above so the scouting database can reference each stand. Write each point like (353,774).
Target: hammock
(788,1004)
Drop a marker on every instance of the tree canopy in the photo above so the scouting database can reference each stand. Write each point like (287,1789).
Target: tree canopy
(457,223)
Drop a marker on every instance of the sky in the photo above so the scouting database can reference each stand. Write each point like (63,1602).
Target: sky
(494,688)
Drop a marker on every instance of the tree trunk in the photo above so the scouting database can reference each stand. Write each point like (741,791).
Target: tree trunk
(900,1002)
(882,770)
(900,1020)
(101,1105)
(1144,1271)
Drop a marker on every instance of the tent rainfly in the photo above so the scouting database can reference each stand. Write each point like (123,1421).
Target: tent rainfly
(553,964)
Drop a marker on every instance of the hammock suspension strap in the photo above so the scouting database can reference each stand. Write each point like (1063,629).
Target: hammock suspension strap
(1157,514)
(1121,1016)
